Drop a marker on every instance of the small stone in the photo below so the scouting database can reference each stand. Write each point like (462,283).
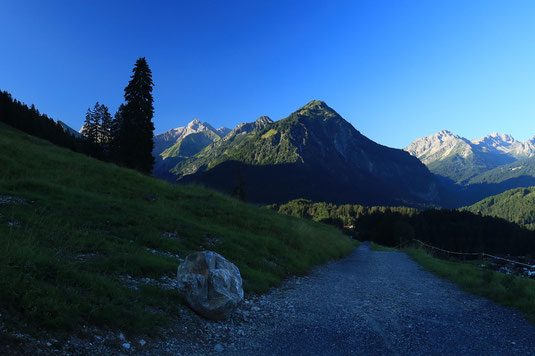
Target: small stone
(513,343)
(142,342)
(121,336)
(148,197)
(48,344)
(126,345)
(219,348)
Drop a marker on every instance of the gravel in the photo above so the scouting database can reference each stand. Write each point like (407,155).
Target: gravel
(6,199)
(368,303)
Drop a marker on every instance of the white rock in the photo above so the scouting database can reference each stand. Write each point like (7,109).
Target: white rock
(126,345)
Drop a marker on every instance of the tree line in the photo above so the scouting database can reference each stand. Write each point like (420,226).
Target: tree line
(125,139)
(31,121)
(338,215)
(452,230)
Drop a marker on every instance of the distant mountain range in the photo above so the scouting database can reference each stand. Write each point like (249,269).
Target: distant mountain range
(313,154)
(461,160)
(475,169)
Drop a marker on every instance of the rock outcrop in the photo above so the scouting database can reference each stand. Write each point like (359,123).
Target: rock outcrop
(211,285)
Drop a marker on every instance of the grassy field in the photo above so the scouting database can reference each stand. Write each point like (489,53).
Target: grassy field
(85,226)
(516,292)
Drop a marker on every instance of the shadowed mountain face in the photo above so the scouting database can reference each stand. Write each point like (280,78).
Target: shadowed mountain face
(315,154)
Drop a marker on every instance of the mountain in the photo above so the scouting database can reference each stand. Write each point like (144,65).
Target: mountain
(459,160)
(173,146)
(219,150)
(223,131)
(516,205)
(506,144)
(169,138)
(313,154)
(69,129)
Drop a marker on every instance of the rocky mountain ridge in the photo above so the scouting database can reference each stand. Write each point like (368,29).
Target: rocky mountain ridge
(444,143)
(169,138)
(458,159)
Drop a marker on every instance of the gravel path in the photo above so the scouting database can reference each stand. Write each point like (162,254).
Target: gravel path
(383,303)
(366,304)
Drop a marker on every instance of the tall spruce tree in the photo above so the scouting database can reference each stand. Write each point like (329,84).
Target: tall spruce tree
(136,129)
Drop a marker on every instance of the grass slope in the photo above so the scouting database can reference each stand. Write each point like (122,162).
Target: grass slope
(85,226)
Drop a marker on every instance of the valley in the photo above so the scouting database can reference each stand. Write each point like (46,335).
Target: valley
(267,178)
(73,226)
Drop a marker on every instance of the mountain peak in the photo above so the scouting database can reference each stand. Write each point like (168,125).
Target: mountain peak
(264,120)
(445,133)
(495,139)
(438,146)
(317,109)
(194,122)
(316,104)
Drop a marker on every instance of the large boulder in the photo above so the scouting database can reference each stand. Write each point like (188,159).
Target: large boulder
(211,285)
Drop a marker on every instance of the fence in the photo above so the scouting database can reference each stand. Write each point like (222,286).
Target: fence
(481,254)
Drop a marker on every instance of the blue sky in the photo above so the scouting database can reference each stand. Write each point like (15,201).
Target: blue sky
(397,70)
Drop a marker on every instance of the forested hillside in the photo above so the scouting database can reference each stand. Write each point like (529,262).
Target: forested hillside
(516,205)
(453,230)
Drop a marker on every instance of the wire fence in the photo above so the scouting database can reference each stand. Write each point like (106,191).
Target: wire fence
(481,254)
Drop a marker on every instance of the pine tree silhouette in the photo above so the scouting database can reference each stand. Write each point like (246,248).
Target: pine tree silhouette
(136,129)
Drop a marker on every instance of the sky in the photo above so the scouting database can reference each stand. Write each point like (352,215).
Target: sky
(397,70)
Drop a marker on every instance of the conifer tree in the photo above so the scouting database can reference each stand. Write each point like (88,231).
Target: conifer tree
(91,126)
(106,122)
(135,133)
(105,130)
